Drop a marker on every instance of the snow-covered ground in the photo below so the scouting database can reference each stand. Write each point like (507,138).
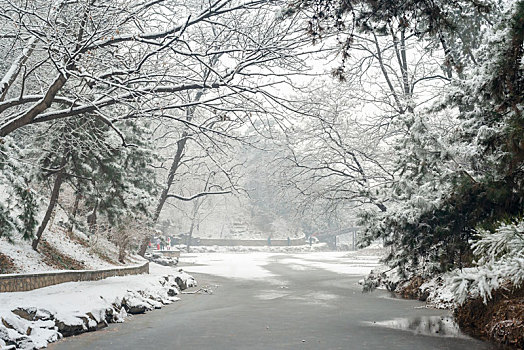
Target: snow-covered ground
(89,254)
(253,265)
(43,315)
(24,257)
(244,249)
(35,318)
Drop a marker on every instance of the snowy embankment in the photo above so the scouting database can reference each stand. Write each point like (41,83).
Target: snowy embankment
(434,291)
(31,320)
(60,251)
(498,318)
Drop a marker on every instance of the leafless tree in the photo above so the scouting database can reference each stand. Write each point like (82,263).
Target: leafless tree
(72,58)
(343,154)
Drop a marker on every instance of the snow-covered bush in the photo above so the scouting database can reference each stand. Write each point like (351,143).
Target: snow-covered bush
(500,259)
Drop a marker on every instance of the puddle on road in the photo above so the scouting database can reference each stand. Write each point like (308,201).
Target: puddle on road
(437,326)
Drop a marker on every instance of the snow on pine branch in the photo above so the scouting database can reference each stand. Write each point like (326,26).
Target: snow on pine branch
(501,259)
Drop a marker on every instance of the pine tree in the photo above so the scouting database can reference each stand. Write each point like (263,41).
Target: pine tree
(114,180)
(471,177)
(18,207)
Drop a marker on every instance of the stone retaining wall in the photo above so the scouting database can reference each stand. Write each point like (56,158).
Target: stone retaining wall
(249,242)
(25,282)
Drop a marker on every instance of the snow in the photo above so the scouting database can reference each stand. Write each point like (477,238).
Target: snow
(348,267)
(440,294)
(316,298)
(271,294)
(500,259)
(65,245)
(352,263)
(441,326)
(244,249)
(238,266)
(13,71)
(24,257)
(80,306)
(253,266)
(26,260)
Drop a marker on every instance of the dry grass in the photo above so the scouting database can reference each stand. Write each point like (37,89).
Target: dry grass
(104,257)
(7,264)
(77,239)
(500,320)
(410,289)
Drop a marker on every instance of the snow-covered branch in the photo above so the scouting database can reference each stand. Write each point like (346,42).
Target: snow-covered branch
(198,195)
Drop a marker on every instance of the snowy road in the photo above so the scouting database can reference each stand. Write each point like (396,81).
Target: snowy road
(272,301)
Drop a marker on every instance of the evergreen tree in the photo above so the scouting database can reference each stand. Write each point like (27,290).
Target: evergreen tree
(113,180)
(471,177)
(18,207)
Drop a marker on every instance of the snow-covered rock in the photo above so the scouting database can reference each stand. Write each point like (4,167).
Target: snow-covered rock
(439,293)
(160,259)
(31,320)
(184,280)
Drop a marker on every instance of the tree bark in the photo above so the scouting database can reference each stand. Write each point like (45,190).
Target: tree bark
(73,213)
(181,144)
(52,203)
(190,235)
(381,206)
(91,219)
(11,75)
(42,105)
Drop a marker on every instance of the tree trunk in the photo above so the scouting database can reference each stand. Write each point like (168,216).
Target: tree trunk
(91,219)
(381,206)
(52,203)
(190,235)
(181,144)
(73,213)
(123,243)
(12,73)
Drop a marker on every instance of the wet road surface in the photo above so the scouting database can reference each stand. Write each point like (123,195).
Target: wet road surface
(299,309)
